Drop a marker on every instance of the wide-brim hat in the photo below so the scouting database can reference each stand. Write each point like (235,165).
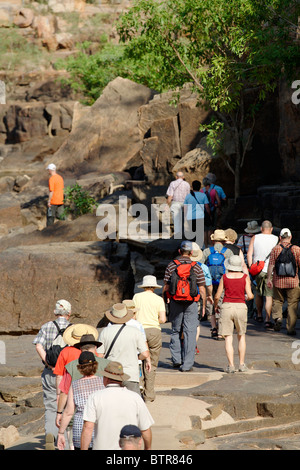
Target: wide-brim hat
(130,305)
(234,263)
(114,370)
(87,339)
(252,227)
(73,333)
(149,281)
(119,314)
(219,236)
(197,253)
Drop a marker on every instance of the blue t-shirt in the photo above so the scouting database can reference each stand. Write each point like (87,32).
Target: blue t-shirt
(219,190)
(195,207)
(206,272)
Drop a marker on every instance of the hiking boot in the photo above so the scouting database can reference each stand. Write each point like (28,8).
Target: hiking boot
(243,368)
(277,325)
(230,370)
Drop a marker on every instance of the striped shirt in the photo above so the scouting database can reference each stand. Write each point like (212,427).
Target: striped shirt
(185,259)
(285,282)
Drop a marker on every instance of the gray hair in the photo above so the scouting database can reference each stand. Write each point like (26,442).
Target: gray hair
(266,224)
(206,181)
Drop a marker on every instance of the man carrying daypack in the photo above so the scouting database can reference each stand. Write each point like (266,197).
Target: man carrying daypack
(214,257)
(184,283)
(43,342)
(283,277)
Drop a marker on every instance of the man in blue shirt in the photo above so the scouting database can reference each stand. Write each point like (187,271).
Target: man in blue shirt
(195,205)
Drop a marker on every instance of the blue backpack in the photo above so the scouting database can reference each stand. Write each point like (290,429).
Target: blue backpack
(215,262)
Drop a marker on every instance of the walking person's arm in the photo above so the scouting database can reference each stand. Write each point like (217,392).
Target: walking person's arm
(86,435)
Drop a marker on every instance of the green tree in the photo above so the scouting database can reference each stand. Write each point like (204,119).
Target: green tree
(235,52)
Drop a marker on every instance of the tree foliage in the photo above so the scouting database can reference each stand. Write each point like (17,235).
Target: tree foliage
(234,52)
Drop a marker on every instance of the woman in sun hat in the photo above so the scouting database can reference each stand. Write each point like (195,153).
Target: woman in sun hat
(235,284)
(77,397)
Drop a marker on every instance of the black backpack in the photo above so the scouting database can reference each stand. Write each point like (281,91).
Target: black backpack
(285,264)
(57,346)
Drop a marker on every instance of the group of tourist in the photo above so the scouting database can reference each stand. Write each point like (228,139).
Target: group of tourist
(96,386)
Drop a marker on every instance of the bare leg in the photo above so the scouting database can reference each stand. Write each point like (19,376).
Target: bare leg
(268,307)
(242,348)
(229,350)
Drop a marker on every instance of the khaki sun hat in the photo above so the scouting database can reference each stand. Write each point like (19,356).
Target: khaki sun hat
(252,227)
(231,234)
(149,281)
(234,263)
(119,314)
(219,235)
(114,370)
(196,253)
(72,335)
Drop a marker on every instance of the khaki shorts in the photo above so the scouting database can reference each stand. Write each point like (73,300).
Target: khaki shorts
(233,315)
(261,285)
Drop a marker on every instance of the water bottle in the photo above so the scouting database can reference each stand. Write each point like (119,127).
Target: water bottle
(49,212)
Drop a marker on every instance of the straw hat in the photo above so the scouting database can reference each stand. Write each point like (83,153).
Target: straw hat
(231,234)
(73,333)
(252,227)
(114,370)
(149,281)
(219,235)
(234,263)
(119,314)
(196,253)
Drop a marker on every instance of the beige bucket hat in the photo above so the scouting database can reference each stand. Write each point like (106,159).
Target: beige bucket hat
(72,335)
(197,253)
(252,227)
(130,305)
(149,281)
(234,263)
(119,314)
(219,236)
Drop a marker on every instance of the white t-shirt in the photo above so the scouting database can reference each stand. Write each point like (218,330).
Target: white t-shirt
(111,409)
(149,306)
(262,246)
(128,345)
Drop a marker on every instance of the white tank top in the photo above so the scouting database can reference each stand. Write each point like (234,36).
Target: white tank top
(263,244)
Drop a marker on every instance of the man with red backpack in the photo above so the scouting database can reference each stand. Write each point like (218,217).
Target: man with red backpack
(184,283)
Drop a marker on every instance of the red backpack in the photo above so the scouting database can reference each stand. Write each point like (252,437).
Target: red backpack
(183,283)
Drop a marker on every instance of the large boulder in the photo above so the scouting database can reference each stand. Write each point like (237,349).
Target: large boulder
(169,130)
(105,137)
(92,276)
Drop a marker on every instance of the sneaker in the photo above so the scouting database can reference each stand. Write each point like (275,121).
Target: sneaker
(243,368)
(230,369)
(277,325)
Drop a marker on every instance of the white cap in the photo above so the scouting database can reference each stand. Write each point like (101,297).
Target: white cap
(51,166)
(286,233)
(62,306)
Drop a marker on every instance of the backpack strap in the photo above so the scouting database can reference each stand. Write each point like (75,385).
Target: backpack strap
(223,250)
(114,340)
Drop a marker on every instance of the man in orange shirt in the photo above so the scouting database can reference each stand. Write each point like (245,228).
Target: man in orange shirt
(56,196)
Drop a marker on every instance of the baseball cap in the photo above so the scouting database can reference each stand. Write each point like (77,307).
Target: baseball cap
(285,232)
(86,357)
(186,245)
(130,430)
(51,166)
(62,305)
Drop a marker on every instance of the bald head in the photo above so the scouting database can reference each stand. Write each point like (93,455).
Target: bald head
(179,174)
(266,226)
